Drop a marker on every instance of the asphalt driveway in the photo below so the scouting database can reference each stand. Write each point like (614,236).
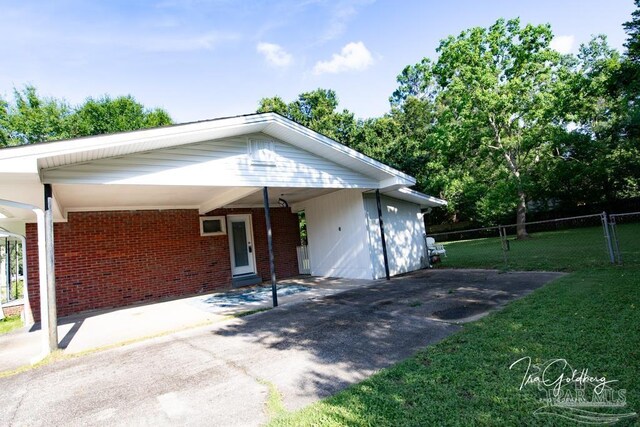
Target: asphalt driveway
(222,374)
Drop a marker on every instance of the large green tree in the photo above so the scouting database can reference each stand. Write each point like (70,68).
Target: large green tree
(121,114)
(632,28)
(596,159)
(599,98)
(490,96)
(317,110)
(30,118)
(628,80)
(381,138)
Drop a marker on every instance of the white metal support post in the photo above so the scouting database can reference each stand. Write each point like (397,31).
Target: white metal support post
(49,301)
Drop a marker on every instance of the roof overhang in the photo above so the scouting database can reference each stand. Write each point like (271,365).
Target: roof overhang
(23,168)
(39,157)
(409,195)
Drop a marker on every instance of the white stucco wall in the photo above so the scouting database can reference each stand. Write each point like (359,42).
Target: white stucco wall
(337,236)
(404,235)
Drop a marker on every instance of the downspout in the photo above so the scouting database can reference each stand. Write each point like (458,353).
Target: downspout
(382,238)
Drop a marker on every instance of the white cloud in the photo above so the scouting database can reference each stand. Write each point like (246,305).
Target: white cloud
(341,14)
(354,56)
(141,41)
(275,55)
(562,44)
(181,43)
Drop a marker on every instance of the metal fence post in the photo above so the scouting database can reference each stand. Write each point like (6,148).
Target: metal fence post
(614,237)
(505,244)
(607,237)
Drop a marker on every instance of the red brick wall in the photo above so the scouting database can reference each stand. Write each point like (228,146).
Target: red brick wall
(114,259)
(12,310)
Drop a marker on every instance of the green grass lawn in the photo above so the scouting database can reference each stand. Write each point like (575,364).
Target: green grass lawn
(590,317)
(566,250)
(629,242)
(10,323)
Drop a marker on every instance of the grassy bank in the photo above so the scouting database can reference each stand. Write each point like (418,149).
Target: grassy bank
(10,323)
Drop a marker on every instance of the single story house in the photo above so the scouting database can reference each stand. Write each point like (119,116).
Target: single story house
(192,208)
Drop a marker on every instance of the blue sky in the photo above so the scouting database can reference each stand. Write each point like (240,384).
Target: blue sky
(201,59)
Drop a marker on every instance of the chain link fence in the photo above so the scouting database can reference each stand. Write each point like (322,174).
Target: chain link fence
(563,244)
(625,237)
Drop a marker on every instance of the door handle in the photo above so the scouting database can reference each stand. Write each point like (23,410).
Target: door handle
(250,248)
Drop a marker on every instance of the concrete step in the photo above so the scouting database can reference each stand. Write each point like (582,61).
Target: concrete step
(246,280)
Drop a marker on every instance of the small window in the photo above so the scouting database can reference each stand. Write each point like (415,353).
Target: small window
(212,226)
(262,152)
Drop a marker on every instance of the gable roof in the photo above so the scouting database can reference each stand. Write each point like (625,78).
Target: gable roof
(25,168)
(80,150)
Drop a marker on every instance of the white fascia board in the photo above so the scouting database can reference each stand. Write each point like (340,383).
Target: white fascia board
(171,137)
(30,158)
(19,166)
(99,141)
(395,183)
(130,208)
(409,195)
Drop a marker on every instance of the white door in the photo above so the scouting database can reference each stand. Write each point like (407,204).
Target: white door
(241,246)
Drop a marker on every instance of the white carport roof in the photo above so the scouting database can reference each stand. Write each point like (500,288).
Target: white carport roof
(23,169)
(424,200)
(80,150)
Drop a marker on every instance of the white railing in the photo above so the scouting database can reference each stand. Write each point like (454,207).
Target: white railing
(304,266)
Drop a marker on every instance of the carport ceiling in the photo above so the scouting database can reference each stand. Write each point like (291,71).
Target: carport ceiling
(125,197)
(101,197)
(290,194)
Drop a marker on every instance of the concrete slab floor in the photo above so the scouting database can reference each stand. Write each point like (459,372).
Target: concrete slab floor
(105,328)
(221,373)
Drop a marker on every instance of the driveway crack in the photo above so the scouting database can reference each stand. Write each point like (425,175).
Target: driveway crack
(273,402)
(15,410)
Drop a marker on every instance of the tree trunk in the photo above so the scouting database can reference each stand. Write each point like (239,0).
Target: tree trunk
(521,228)
(512,163)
